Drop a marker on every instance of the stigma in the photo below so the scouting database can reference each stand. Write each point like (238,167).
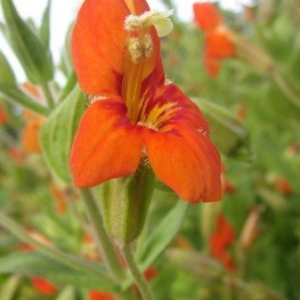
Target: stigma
(140,44)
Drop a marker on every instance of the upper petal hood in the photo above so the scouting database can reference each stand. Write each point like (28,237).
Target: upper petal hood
(99,44)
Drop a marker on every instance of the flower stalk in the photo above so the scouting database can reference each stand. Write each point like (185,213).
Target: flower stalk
(138,276)
(105,246)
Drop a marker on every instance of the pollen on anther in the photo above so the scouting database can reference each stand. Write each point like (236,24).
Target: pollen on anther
(135,49)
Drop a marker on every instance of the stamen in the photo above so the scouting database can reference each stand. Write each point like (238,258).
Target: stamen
(148,125)
(135,49)
(140,48)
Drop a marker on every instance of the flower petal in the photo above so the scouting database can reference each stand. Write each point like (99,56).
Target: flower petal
(106,145)
(207,16)
(98,45)
(137,7)
(219,45)
(192,175)
(30,137)
(180,153)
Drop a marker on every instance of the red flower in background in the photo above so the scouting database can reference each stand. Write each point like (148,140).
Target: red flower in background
(3,115)
(218,44)
(44,286)
(34,122)
(220,240)
(96,295)
(134,112)
(283,186)
(16,155)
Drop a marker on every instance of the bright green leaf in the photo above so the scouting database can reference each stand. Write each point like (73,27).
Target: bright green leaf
(58,132)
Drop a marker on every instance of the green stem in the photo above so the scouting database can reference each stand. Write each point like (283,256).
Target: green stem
(286,89)
(48,95)
(105,246)
(66,259)
(140,280)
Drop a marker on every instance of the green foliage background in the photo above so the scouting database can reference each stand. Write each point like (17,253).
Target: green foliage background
(256,151)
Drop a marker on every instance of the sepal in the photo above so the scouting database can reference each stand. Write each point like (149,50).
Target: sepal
(125,204)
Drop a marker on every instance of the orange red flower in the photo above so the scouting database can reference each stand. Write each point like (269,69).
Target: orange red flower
(34,122)
(43,286)
(97,295)
(220,240)
(3,115)
(218,43)
(283,186)
(136,115)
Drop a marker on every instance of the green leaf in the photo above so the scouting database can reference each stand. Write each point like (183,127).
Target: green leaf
(198,264)
(44,31)
(15,95)
(7,76)
(66,63)
(29,49)
(36,264)
(227,132)
(163,235)
(58,132)
(10,287)
(68,293)
(69,86)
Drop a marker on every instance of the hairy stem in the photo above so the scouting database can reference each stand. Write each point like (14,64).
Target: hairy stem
(106,248)
(136,273)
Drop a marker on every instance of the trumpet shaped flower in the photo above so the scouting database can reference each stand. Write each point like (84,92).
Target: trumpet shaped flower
(218,42)
(135,115)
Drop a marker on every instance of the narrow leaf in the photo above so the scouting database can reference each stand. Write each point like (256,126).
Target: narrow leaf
(15,95)
(36,264)
(33,56)
(44,31)
(7,76)
(163,235)
(58,132)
